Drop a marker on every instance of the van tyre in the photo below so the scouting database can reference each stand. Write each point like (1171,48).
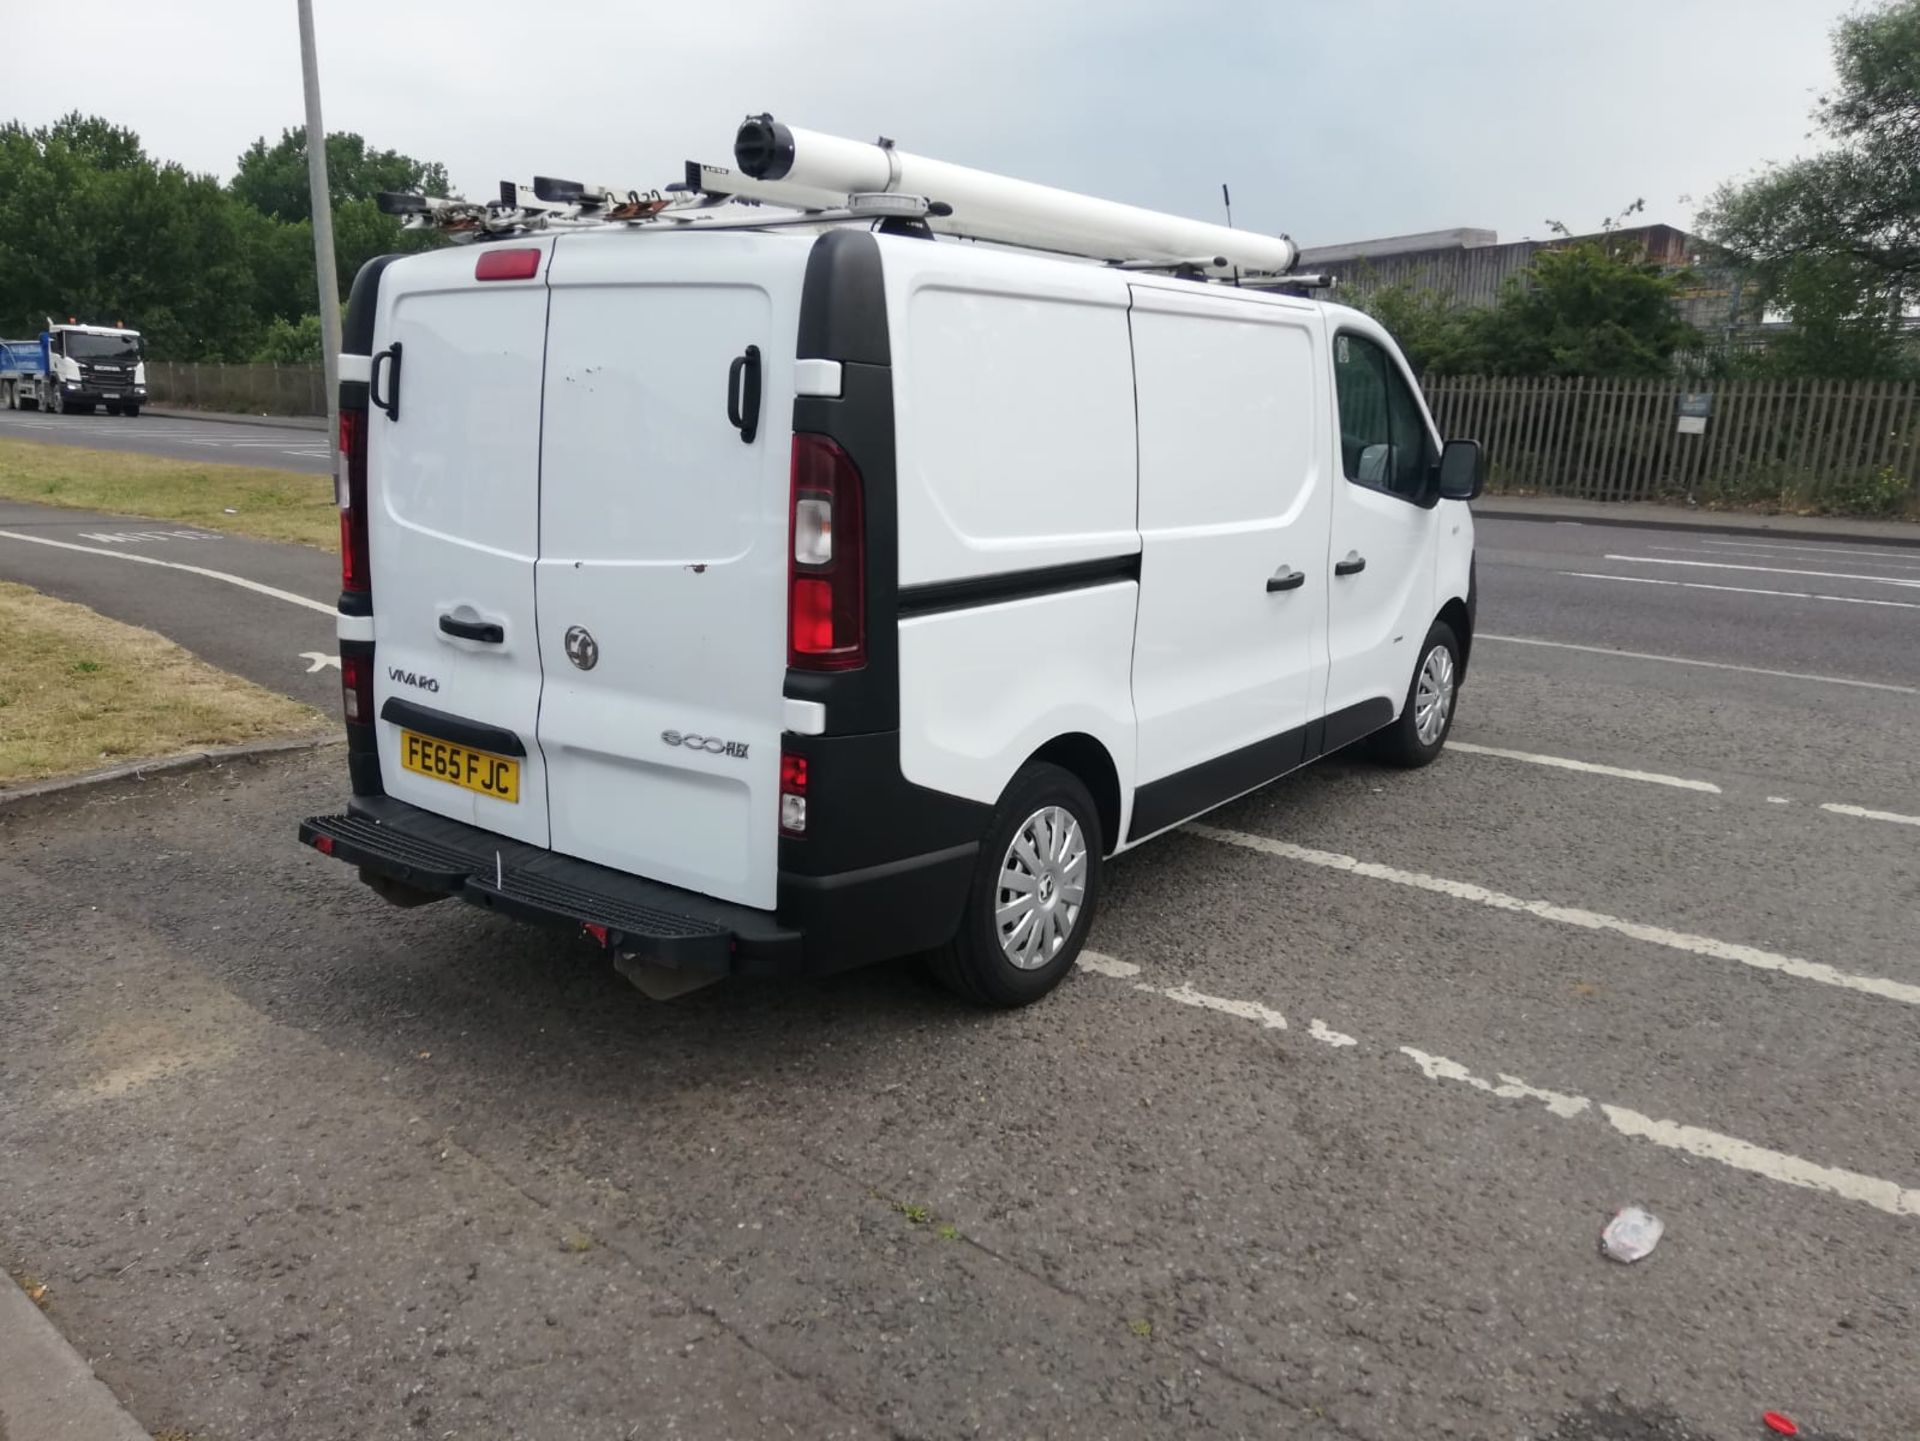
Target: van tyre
(1035,888)
(1432,697)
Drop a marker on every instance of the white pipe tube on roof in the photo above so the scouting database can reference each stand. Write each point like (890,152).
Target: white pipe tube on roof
(995,207)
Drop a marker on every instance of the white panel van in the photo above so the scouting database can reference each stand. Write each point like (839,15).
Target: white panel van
(778,600)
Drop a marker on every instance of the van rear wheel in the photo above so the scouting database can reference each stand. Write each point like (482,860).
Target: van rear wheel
(1035,888)
(1427,718)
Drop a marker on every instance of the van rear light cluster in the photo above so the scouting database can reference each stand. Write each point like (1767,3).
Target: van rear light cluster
(793,794)
(826,560)
(350,491)
(356,688)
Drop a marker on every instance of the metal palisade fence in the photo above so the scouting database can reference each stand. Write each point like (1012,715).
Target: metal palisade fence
(1844,445)
(254,389)
(1840,445)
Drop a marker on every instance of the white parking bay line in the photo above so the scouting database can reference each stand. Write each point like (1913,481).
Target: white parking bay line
(1779,1166)
(1753,956)
(1765,569)
(1864,814)
(1566,763)
(239,580)
(1744,589)
(1699,664)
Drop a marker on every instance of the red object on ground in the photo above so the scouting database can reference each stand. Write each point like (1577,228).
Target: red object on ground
(1776,1422)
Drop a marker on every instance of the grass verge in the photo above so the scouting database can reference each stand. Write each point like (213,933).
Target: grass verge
(267,504)
(79,691)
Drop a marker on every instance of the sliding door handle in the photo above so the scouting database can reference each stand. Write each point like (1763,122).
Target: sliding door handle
(1352,565)
(1286,578)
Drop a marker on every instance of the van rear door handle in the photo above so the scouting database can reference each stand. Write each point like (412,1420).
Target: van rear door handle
(485,631)
(1286,578)
(1352,565)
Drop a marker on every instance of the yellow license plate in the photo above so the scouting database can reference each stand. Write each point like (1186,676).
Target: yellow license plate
(478,771)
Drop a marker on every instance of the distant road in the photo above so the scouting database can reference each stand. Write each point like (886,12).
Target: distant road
(178,438)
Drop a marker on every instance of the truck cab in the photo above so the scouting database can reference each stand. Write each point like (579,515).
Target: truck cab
(72,368)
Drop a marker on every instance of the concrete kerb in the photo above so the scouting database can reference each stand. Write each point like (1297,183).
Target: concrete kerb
(144,770)
(48,1392)
(289,422)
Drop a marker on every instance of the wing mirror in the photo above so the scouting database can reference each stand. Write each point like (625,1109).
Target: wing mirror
(1463,470)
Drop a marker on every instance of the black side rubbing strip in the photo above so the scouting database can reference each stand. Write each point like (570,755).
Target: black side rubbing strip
(1184,794)
(1344,727)
(452,728)
(943,595)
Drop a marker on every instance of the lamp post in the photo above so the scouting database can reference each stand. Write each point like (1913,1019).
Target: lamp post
(329,280)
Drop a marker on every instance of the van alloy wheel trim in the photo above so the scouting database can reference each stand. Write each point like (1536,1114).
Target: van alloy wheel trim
(1433,698)
(1043,884)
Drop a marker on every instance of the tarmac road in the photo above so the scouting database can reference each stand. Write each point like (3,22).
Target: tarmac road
(1318,1142)
(178,437)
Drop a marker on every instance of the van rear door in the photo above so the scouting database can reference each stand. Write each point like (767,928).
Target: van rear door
(454,487)
(663,538)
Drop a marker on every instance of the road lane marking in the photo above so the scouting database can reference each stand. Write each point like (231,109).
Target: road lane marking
(1766,569)
(1780,1166)
(1837,551)
(1756,553)
(1864,814)
(1894,1199)
(318,660)
(1748,590)
(1509,1088)
(1566,763)
(240,580)
(1753,956)
(1701,664)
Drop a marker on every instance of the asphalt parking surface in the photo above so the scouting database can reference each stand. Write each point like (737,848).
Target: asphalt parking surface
(177,437)
(1318,1142)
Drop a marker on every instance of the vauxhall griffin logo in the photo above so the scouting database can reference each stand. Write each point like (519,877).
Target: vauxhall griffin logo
(582,649)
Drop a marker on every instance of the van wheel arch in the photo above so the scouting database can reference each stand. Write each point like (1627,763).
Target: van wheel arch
(1093,767)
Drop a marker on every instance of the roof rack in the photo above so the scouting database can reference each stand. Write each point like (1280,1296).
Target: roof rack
(791,177)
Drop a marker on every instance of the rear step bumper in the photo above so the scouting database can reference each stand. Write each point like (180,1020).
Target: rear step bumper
(660,923)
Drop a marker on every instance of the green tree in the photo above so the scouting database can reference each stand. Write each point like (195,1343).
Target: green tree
(1834,238)
(291,342)
(273,178)
(1587,307)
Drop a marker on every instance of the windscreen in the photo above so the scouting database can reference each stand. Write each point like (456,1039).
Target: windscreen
(111,349)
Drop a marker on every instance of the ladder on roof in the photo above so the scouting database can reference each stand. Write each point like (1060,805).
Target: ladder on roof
(787,176)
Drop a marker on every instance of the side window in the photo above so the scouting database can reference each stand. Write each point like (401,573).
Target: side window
(1360,383)
(1383,439)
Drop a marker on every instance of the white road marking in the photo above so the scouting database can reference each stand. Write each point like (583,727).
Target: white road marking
(1863,813)
(1895,1200)
(1765,1162)
(1760,553)
(1244,1010)
(240,580)
(1509,1088)
(1321,1031)
(1753,956)
(1745,589)
(1107,966)
(1567,764)
(1832,550)
(319,660)
(1778,801)
(1766,569)
(1701,664)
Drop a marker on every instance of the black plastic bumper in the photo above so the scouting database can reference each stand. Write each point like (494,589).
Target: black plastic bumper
(94,395)
(823,924)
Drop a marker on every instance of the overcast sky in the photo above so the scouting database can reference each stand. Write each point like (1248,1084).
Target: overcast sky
(1331,122)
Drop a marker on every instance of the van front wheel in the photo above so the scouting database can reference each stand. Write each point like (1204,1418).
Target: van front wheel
(1427,718)
(1035,887)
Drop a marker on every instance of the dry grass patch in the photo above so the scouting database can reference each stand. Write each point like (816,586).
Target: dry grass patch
(79,691)
(268,504)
